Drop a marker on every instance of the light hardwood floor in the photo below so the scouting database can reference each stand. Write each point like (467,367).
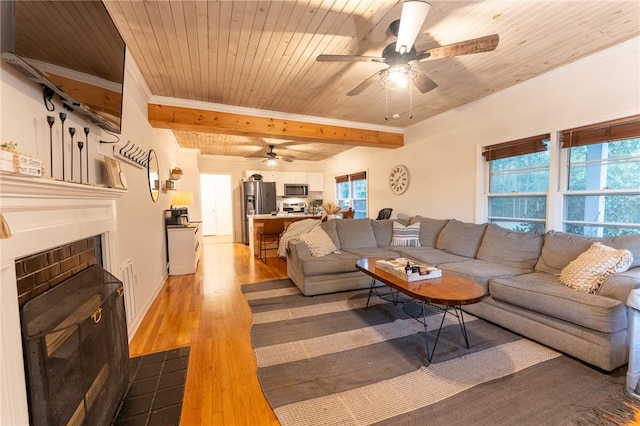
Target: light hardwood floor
(208,312)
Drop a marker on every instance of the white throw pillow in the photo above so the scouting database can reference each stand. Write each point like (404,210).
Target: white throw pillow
(589,270)
(406,236)
(318,241)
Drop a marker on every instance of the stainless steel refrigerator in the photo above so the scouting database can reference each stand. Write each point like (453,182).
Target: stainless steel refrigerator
(258,197)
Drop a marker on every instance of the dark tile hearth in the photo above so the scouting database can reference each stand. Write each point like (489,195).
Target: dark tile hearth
(156,389)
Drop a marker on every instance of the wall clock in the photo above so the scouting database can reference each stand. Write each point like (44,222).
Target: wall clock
(399,179)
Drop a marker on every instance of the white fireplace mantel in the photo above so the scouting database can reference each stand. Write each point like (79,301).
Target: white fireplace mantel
(42,214)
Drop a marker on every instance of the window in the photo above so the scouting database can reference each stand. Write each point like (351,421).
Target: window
(351,191)
(518,183)
(603,178)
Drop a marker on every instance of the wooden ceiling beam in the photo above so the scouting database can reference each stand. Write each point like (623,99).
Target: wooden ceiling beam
(204,121)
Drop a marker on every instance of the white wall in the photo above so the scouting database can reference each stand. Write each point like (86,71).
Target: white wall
(187,160)
(442,153)
(140,220)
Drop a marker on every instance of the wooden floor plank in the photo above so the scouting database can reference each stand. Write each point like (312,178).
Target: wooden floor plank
(208,312)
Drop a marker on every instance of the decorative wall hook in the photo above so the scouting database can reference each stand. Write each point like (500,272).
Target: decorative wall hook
(132,154)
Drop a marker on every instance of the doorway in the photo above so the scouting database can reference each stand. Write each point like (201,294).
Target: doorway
(217,217)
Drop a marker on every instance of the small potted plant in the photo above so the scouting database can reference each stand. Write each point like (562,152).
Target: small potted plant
(331,209)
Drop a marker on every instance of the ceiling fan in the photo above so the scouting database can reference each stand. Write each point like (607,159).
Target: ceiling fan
(402,57)
(271,158)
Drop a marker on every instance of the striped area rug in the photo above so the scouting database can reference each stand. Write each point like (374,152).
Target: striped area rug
(324,360)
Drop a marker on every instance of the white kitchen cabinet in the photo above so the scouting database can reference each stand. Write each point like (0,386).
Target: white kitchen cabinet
(316,181)
(184,248)
(278,178)
(295,177)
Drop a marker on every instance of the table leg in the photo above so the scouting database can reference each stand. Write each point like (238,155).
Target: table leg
(373,283)
(372,288)
(444,314)
(457,312)
(463,327)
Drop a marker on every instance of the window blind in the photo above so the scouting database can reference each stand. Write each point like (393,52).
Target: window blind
(353,176)
(614,130)
(516,147)
(358,176)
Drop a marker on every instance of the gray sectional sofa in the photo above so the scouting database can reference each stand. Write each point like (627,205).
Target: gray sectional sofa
(519,271)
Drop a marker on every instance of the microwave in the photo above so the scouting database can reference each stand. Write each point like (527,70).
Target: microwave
(296,190)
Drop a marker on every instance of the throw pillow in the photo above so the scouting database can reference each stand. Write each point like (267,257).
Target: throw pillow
(406,236)
(589,270)
(318,241)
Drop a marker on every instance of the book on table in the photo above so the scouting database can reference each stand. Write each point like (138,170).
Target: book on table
(408,269)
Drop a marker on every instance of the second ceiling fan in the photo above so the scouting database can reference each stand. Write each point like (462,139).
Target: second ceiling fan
(402,56)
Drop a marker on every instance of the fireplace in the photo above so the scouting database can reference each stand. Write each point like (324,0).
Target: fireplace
(76,350)
(44,215)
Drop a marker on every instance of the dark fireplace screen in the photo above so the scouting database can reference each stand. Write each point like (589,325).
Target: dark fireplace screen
(76,350)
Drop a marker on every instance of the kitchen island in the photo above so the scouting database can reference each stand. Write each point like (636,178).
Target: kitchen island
(256,222)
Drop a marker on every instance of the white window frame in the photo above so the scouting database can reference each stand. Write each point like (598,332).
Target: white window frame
(564,192)
(350,202)
(483,180)
(558,183)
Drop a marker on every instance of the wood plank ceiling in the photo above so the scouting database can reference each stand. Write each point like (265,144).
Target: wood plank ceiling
(261,54)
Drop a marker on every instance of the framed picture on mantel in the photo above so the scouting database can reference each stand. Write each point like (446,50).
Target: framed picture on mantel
(114,175)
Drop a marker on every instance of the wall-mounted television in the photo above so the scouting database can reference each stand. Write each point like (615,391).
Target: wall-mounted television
(71,47)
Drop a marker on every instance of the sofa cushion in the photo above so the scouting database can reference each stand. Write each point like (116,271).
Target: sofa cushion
(330,228)
(318,242)
(355,233)
(430,255)
(589,270)
(405,236)
(559,249)
(461,238)
(382,231)
(516,249)
(543,293)
(429,229)
(375,252)
(629,242)
(618,286)
(334,263)
(481,271)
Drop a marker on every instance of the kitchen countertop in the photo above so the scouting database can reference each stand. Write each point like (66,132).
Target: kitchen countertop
(282,216)
(188,225)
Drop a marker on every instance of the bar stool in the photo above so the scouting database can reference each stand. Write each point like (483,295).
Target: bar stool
(384,213)
(348,214)
(269,234)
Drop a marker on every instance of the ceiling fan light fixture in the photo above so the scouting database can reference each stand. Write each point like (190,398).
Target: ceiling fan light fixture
(414,12)
(399,76)
(271,162)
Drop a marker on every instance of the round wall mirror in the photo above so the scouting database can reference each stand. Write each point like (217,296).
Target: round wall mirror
(153,173)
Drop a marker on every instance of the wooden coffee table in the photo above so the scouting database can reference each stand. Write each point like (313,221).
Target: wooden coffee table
(446,294)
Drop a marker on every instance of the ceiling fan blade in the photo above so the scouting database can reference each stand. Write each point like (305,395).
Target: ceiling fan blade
(348,58)
(476,45)
(424,83)
(414,12)
(365,84)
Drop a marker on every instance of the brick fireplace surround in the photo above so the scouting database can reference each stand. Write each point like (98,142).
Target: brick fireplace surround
(43,214)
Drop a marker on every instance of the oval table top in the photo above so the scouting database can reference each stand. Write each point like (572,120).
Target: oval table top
(450,289)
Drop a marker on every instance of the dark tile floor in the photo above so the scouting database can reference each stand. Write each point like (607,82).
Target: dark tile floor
(156,389)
